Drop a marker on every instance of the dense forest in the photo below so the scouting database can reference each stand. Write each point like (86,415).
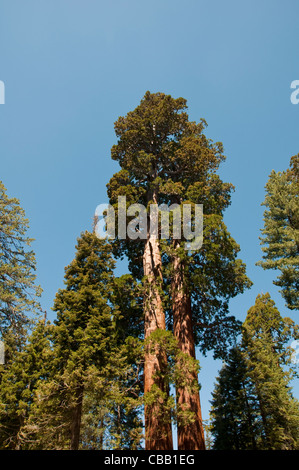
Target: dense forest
(117,368)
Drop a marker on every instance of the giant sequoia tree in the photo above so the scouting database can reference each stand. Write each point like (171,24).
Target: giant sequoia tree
(167,159)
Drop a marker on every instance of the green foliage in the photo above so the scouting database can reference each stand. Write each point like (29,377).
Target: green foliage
(265,337)
(174,374)
(265,318)
(165,158)
(234,423)
(83,376)
(83,324)
(253,406)
(89,352)
(215,276)
(18,304)
(280,238)
(86,368)
(20,379)
(18,291)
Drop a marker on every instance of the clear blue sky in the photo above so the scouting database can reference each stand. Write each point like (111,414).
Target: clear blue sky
(71,67)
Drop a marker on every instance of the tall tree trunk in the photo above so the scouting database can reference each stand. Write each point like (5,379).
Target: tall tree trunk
(190,436)
(158,433)
(249,419)
(18,445)
(263,416)
(76,418)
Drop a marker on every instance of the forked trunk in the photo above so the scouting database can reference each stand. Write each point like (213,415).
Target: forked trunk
(190,436)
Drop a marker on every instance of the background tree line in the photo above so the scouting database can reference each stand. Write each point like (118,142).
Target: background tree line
(118,367)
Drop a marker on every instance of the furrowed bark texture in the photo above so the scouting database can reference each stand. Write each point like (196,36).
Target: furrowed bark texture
(158,433)
(190,436)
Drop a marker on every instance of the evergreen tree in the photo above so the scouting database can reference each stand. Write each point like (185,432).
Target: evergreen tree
(143,136)
(253,406)
(18,291)
(92,397)
(166,159)
(113,405)
(20,380)
(234,423)
(280,238)
(84,324)
(265,337)
(18,304)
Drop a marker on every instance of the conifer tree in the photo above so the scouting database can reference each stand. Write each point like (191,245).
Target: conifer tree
(203,282)
(166,159)
(265,337)
(234,423)
(253,406)
(84,324)
(18,307)
(143,137)
(91,399)
(18,291)
(280,234)
(20,380)
(112,414)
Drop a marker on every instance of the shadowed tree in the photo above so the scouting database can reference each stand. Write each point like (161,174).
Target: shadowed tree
(265,336)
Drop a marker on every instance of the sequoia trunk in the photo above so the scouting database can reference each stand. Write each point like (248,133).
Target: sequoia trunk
(190,436)
(158,434)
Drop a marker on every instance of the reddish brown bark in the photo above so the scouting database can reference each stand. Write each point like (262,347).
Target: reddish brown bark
(190,436)
(158,433)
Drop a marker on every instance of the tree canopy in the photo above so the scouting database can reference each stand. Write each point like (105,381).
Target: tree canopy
(280,234)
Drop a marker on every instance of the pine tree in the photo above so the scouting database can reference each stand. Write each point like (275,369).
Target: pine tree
(113,407)
(253,406)
(234,423)
(111,417)
(91,399)
(18,307)
(84,324)
(265,337)
(18,291)
(280,238)
(20,380)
